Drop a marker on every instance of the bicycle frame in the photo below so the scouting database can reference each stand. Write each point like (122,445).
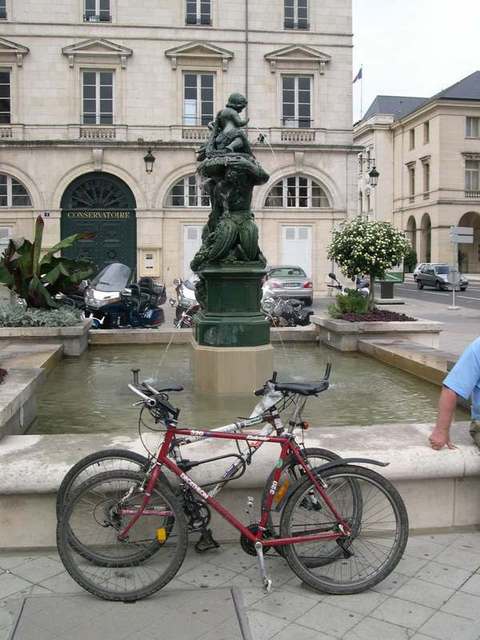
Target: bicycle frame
(288,446)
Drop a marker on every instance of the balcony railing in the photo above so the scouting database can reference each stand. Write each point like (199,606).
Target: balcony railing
(475,195)
(302,25)
(199,134)
(189,134)
(97,17)
(97,133)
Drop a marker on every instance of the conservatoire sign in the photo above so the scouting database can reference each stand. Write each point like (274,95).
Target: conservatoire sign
(98,215)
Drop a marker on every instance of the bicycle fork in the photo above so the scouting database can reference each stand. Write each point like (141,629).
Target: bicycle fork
(267,582)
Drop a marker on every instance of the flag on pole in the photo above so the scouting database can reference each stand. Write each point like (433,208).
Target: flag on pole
(359,75)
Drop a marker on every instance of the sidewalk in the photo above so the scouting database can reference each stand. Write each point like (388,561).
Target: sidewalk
(434,593)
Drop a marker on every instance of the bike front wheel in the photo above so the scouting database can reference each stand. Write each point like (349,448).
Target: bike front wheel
(379,530)
(133,568)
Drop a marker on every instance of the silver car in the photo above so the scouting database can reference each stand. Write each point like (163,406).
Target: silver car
(440,277)
(288,281)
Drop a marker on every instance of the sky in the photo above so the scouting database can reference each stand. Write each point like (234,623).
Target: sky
(413,47)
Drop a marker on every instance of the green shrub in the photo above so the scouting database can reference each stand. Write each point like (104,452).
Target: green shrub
(19,316)
(352,302)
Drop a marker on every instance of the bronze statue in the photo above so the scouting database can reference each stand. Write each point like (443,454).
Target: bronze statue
(230,171)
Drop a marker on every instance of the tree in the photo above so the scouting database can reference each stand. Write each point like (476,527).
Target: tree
(367,247)
(38,279)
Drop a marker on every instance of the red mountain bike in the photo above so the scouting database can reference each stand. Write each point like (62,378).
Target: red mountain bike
(343,528)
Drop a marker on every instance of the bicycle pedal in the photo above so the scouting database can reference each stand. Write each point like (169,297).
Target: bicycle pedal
(206,542)
(346,551)
(267,585)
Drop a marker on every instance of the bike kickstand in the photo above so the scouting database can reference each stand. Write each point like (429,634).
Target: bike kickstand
(267,582)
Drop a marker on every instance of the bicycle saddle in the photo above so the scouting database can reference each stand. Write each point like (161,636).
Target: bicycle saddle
(303,388)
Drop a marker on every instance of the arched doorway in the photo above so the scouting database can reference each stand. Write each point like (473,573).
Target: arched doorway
(412,232)
(102,204)
(469,254)
(426,239)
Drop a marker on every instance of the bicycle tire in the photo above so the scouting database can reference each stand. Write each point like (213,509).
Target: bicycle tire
(321,456)
(91,465)
(122,569)
(303,565)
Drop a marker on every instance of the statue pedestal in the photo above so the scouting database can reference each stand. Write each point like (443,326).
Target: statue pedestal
(232,350)
(231,316)
(231,369)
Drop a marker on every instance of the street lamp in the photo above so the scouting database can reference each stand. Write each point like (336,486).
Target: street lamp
(149,160)
(373,177)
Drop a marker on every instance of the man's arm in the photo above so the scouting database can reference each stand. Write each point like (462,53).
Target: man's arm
(440,435)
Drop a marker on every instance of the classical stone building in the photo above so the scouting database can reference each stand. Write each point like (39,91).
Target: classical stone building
(427,151)
(88,86)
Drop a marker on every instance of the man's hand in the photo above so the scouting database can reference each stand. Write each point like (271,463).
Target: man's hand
(439,438)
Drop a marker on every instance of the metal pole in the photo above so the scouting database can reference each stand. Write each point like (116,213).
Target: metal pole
(453,306)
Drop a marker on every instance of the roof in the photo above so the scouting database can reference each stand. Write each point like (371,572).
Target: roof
(466,89)
(398,106)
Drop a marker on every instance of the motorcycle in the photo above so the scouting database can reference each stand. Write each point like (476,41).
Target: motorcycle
(186,305)
(285,313)
(114,301)
(362,285)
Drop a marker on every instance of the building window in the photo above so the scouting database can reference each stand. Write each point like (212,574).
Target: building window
(13,193)
(297,191)
(411,183)
(4,238)
(426,177)
(472,127)
(199,12)
(472,175)
(198,98)
(97,97)
(296,14)
(412,138)
(426,132)
(5,101)
(97,11)
(3,9)
(188,192)
(296,101)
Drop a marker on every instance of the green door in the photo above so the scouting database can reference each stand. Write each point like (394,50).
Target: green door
(104,205)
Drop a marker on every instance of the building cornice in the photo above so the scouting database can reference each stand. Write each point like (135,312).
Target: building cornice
(199,51)
(297,54)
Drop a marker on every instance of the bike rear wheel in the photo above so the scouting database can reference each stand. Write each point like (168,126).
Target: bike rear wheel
(122,570)
(93,464)
(375,546)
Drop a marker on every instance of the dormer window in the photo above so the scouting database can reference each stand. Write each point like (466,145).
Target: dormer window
(97,11)
(198,12)
(296,14)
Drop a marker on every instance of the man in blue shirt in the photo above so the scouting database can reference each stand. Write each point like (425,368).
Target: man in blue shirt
(463,380)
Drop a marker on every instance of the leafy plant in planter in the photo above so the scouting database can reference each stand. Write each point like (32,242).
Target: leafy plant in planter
(351,302)
(36,278)
(367,247)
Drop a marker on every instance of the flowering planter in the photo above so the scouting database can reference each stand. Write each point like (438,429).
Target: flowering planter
(74,339)
(344,336)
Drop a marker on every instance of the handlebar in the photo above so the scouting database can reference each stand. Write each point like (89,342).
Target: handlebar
(150,402)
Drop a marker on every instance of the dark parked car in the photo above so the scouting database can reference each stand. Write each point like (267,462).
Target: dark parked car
(439,276)
(287,281)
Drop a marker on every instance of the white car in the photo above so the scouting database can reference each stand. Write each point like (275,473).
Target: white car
(418,268)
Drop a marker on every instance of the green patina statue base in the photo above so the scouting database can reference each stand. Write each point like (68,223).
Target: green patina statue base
(230,297)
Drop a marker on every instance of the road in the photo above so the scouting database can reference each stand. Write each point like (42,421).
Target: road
(469,298)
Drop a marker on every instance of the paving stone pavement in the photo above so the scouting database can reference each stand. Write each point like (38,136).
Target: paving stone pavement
(434,593)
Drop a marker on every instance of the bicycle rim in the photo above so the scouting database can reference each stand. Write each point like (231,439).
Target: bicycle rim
(121,570)
(379,531)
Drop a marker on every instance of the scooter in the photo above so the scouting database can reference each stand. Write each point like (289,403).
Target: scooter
(186,304)
(113,301)
(361,285)
(285,313)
